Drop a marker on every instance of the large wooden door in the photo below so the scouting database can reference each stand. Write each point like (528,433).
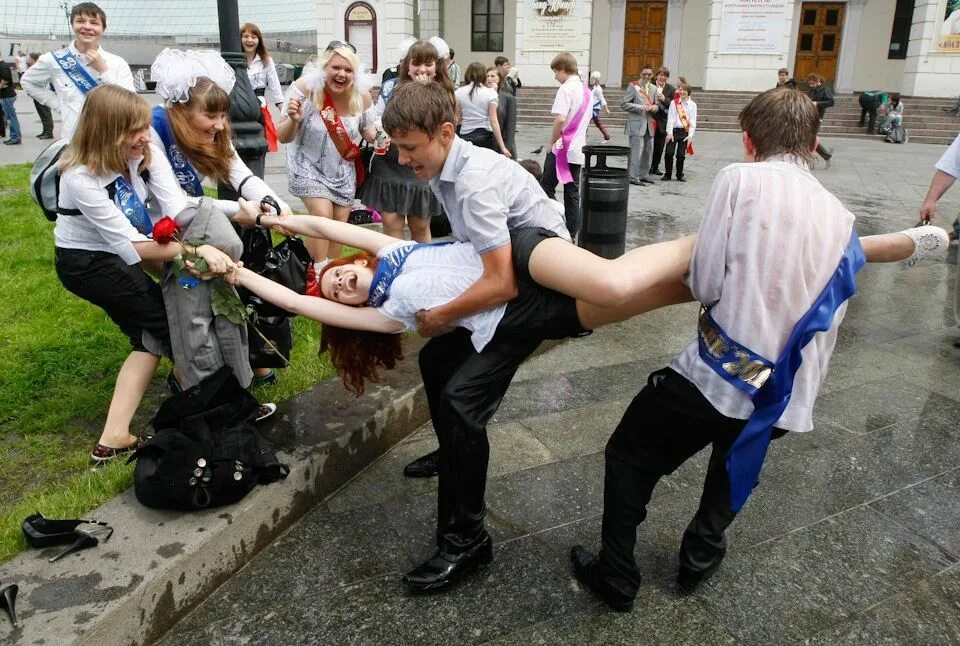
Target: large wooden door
(818,40)
(643,38)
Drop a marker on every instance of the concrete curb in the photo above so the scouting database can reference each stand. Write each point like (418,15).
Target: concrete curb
(158,565)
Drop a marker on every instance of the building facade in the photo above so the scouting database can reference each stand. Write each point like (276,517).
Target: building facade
(907,46)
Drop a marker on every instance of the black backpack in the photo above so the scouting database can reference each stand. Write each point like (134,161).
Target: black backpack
(205,451)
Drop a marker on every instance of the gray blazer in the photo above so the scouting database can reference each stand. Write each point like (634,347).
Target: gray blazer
(640,123)
(202,343)
(507,116)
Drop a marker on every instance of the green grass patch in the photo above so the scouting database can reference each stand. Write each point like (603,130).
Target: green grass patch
(59,357)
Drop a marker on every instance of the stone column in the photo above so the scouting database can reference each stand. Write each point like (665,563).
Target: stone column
(853,16)
(618,25)
(673,38)
(928,71)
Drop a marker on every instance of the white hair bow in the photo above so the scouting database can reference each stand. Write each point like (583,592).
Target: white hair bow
(443,49)
(177,71)
(404,47)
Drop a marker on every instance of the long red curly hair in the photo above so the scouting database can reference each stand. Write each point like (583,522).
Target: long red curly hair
(358,355)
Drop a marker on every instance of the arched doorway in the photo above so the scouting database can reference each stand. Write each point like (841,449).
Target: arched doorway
(360,28)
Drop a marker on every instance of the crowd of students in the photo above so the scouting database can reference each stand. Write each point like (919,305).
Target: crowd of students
(485,301)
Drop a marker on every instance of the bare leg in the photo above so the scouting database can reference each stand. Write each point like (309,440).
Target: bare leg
(419,228)
(392,224)
(593,316)
(563,267)
(340,214)
(318,247)
(132,382)
(893,247)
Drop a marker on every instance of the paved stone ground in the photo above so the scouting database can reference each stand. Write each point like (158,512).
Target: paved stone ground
(852,536)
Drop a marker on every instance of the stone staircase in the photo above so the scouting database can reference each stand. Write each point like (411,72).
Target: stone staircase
(924,117)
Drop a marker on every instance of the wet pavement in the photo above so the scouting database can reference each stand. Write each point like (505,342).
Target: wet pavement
(852,536)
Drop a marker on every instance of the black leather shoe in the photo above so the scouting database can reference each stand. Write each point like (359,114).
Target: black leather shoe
(681,178)
(646,181)
(655,171)
(443,568)
(45,135)
(689,580)
(424,467)
(665,178)
(586,567)
(956,342)
(636,182)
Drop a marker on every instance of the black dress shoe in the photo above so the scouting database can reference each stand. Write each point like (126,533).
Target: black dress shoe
(956,342)
(587,569)
(424,467)
(443,568)
(646,181)
(689,580)
(681,178)
(665,178)
(636,182)
(655,171)
(44,135)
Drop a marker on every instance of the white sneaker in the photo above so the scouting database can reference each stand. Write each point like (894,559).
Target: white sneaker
(265,411)
(928,242)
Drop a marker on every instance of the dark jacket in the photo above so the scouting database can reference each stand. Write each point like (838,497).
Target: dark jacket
(790,83)
(6,75)
(507,116)
(822,96)
(664,108)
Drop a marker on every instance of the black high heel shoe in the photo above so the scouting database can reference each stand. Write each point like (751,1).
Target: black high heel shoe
(46,532)
(86,535)
(8,597)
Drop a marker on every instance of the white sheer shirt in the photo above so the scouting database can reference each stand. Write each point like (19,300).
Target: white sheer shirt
(102,226)
(437,274)
(950,160)
(264,77)
(485,196)
(66,98)
(567,103)
(770,240)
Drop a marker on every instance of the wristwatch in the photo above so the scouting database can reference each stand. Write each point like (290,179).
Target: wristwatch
(259,215)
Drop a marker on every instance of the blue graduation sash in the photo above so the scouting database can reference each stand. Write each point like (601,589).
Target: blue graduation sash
(770,384)
(389,267)
(186,175)
(75,70)
(386,90)
(132,206)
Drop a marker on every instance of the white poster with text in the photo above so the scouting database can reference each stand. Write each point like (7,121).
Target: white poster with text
(752,26)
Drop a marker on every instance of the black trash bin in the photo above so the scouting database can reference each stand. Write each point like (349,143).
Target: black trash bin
(604,191)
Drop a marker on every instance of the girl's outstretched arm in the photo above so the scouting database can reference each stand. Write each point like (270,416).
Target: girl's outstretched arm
(319,309)
(314,227)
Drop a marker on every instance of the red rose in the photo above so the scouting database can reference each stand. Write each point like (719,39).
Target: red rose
(165,230)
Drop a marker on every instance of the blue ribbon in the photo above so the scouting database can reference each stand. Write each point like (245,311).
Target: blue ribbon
(771,385)
(132,206)
(389,267)
(386,90)
(75,70)
(187,177)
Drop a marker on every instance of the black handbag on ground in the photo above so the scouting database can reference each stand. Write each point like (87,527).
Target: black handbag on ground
(286,264)
(279,329)
(205,451)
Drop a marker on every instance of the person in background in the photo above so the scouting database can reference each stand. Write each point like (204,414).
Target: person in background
(478,108)
(508,74)
(8,99)
(894,114)
(20,62)
(43,111)
(822,96)
(665,93)
(640,104)
(263,79)
(506,110)
(599,102)
(869,102)
(681,124)
(454,70)
(88,63)
(784,80)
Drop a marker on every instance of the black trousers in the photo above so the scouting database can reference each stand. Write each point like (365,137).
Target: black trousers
(872,124)
(46,118)
(125,292)
(659,139)
(668,422)
(571,192)
(678,148)
(464,389)
(483,138)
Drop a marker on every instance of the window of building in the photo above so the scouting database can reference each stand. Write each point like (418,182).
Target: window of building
(487,26)
(900,34)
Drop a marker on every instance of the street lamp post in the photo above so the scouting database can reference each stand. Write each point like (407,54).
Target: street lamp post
(244,105)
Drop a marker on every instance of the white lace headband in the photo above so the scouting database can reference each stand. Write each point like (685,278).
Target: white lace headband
(176,71)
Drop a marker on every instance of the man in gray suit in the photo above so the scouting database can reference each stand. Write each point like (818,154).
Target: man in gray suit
(640,104)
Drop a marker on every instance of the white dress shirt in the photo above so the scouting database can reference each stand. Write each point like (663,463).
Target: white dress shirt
(264,77)
(673,117)
(567,103)
(102,226)
(950,160)
(770,240)
(432,276)
(486,195)
(65,96)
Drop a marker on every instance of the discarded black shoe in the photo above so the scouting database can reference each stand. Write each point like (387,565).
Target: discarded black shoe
(443,568)
(8,600)
(86,535)
(426,466)
(45,532)
(689,580)
(587,569)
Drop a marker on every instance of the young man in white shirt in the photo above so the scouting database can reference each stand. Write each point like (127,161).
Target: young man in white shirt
(96,67)
(759,267)
(571,117)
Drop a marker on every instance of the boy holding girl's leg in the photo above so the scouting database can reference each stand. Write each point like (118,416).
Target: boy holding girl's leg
(764,258)
(90,65)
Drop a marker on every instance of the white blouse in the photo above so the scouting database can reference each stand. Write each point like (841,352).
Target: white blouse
(264,77)
(474,109)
